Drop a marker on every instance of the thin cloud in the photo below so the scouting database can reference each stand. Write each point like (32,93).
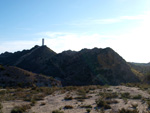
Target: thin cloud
(61,42)
(133,46)
(130,46)
(108,20)
(76,42)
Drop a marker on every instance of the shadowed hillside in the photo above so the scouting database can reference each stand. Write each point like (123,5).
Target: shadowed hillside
(143,68)
(36,60)
(88,66)
(95,66)
(15,77)
(11,58)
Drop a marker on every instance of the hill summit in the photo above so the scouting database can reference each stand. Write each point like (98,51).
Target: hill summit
(85,67)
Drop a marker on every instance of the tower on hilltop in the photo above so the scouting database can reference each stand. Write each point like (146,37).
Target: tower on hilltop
(43,42)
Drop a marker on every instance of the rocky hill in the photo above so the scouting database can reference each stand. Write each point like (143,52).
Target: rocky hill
(88,66)
(143,68)
(11,76)
(11,58)
(95,66)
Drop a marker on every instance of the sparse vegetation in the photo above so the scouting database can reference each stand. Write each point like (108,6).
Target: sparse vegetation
(112,101)
(26,94)
(88,110)
(57,111)
(80,98)
(137,96)
(102,104)
(33,102)
(106,98)
(128,111)
(125,95)
(148,103)
(125,100)
(142,86)
(70,88)
(68,97)
(68,107)
(43,103)
(2,68)
(108,95)
(82,92)
(86,106)
(1,106)
(20,109)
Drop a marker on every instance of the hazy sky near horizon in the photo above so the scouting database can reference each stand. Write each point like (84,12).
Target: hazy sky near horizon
(123,25)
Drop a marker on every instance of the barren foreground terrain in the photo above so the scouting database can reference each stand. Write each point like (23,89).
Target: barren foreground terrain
(87,99)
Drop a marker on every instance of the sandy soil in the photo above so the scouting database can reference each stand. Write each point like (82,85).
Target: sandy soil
(57,102)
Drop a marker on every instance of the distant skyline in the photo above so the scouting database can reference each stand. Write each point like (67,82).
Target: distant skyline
(122,25)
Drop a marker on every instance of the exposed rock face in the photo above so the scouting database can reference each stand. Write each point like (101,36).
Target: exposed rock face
(86,67)
(11,76)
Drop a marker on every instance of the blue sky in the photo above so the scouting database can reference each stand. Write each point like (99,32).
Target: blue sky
(122,25)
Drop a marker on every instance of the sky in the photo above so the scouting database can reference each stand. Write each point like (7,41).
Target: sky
(123,25)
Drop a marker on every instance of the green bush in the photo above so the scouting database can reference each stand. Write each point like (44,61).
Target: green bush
(125,95)
(128,111)
(82,92)
(148,103)
(42,104)
(108,95)
(88,110)
(57,111)
(80,98)
(20,109)
(68,97)
(137,97)
(33,102)
(112,101)
(68,107)
(125,100)
(3,92)
(17,109)
(102,104)
(1,106)
(70,88)
(86,106)
(2,68)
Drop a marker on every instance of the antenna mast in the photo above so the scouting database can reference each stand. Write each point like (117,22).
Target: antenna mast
(43,42)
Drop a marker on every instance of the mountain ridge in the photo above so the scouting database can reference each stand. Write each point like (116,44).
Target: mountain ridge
(84,67)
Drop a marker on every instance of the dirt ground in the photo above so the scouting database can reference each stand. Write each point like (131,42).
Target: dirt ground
(57,101)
